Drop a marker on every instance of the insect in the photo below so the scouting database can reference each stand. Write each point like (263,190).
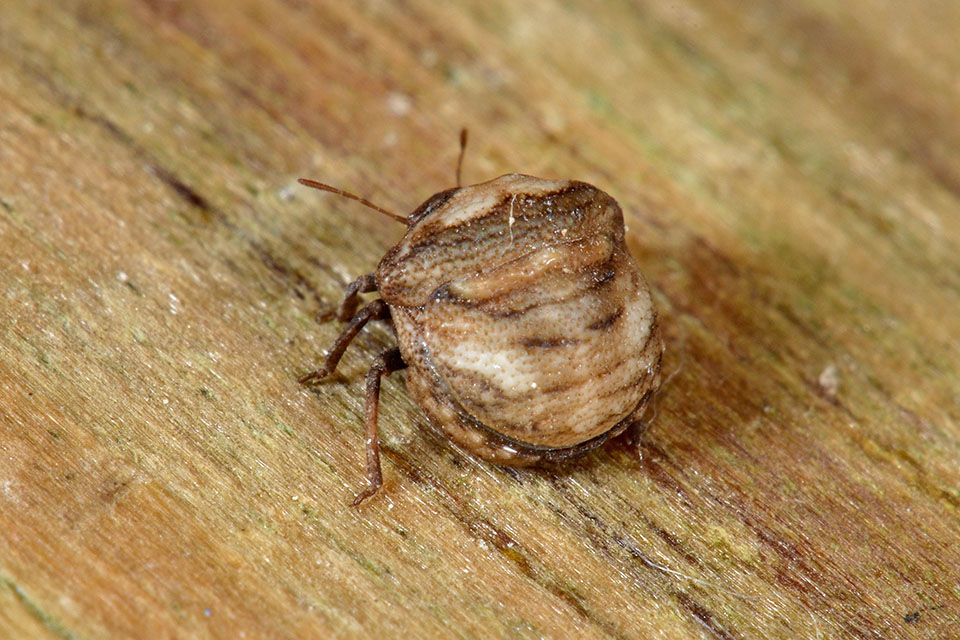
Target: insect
(526,329)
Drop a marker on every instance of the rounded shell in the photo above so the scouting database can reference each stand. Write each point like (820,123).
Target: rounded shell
(525,322)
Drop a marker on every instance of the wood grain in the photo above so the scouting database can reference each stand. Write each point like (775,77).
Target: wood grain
(792,190)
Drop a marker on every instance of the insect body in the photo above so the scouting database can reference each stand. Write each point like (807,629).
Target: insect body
(527,330)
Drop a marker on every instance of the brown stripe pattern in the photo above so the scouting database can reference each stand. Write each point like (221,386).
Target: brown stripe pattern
(521,314)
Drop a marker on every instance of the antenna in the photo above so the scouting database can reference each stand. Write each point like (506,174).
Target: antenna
(463,149)
(346,194)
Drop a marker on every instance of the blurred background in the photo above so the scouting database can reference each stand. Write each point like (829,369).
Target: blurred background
(791,188)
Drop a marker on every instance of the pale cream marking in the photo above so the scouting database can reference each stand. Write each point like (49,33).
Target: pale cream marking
(467,206)
(511,219)
(492,364)
(471,201)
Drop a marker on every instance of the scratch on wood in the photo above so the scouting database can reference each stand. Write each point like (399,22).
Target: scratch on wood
(35,610)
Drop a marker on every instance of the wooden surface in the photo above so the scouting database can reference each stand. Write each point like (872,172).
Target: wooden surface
(790,176)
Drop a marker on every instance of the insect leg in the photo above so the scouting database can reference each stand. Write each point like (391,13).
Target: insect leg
(385,364)
(376,310)
(348,306)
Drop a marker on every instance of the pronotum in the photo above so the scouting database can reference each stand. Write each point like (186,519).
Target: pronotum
(527,331)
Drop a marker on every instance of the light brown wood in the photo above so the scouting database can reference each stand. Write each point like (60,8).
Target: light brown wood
(792,189)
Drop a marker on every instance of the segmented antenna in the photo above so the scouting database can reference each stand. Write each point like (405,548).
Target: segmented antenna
(463,149)
(346,194)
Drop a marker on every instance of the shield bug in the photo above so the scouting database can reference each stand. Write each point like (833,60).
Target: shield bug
(527,331)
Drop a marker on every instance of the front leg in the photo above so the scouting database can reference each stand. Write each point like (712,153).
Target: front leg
(348,306)
(385,364)
(376,310)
